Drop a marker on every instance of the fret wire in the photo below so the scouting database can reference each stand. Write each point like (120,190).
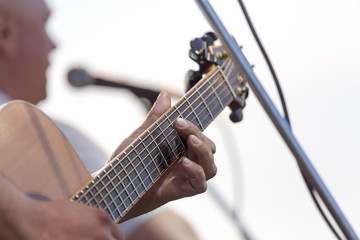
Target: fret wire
(203,116)
(203,90)
(196,99)
(216,99)
(226,77)
(171,124)
(160,153)
(142,162)
(121,196)
(112,207)
(121,184)
(127,192)
(177,137)
(227,82)
(212,88)
(220,92)
(150,134)
(206,106)
(128,195)
(117,205)
(157,146)
(145,169)
(135,168)
(171,116)
(211,102)
(130,161)
(202,110)
(177,111)
(106,204)
(168,119)
(135,191)
(167,156)
(196,117)
(125,187)
(156,168)
(165,137)
(152,161)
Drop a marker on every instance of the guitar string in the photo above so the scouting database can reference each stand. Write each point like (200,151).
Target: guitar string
(104,197)
(113,208)
(112,211)
(125,176)
(146,156)
(98,178)
(136,188)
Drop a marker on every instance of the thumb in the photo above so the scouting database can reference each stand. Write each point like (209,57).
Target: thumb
(162,104)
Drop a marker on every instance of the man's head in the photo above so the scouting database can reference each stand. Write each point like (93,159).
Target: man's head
(24,49)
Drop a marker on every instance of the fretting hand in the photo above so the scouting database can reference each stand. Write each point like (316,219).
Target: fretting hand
(187,176)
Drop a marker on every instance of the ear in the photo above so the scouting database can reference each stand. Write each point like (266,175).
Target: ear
(6,31)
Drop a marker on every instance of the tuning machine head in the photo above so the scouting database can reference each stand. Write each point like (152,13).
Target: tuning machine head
(199,52)
(242,92)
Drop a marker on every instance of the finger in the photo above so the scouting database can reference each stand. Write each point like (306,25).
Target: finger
(116,232)
(196,177)
(162,104)
(200,152)
(185,128)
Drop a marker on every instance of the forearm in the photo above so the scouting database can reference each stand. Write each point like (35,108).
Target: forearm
(10,210)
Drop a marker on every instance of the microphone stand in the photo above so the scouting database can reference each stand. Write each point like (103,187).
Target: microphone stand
(282,126)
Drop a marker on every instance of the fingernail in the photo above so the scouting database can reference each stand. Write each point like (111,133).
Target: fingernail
(162,94)
(195,140)
(187,161)
(181,123)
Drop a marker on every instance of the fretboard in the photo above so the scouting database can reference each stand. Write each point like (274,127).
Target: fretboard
(127,178)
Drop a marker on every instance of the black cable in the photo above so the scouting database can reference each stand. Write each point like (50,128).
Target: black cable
(267,59)
(286,115)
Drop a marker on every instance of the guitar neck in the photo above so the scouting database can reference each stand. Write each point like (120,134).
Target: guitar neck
(126,179)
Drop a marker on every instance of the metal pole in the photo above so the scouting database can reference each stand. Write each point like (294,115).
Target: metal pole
(282,126)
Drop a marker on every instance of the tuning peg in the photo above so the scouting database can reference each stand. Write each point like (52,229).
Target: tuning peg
(199,53)
(209,38)
(196,44)
(236,115)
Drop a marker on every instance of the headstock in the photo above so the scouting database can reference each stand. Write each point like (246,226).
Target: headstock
(211,58)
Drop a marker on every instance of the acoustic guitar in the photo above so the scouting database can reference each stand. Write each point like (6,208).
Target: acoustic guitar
(38,159)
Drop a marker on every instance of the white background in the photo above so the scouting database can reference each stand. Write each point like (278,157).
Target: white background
(314,46)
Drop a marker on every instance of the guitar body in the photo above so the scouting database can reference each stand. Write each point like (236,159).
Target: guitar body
(36,156)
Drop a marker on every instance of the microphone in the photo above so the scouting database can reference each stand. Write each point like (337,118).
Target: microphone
(81,78)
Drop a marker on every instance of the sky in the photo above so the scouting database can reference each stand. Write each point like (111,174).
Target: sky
(314,48)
